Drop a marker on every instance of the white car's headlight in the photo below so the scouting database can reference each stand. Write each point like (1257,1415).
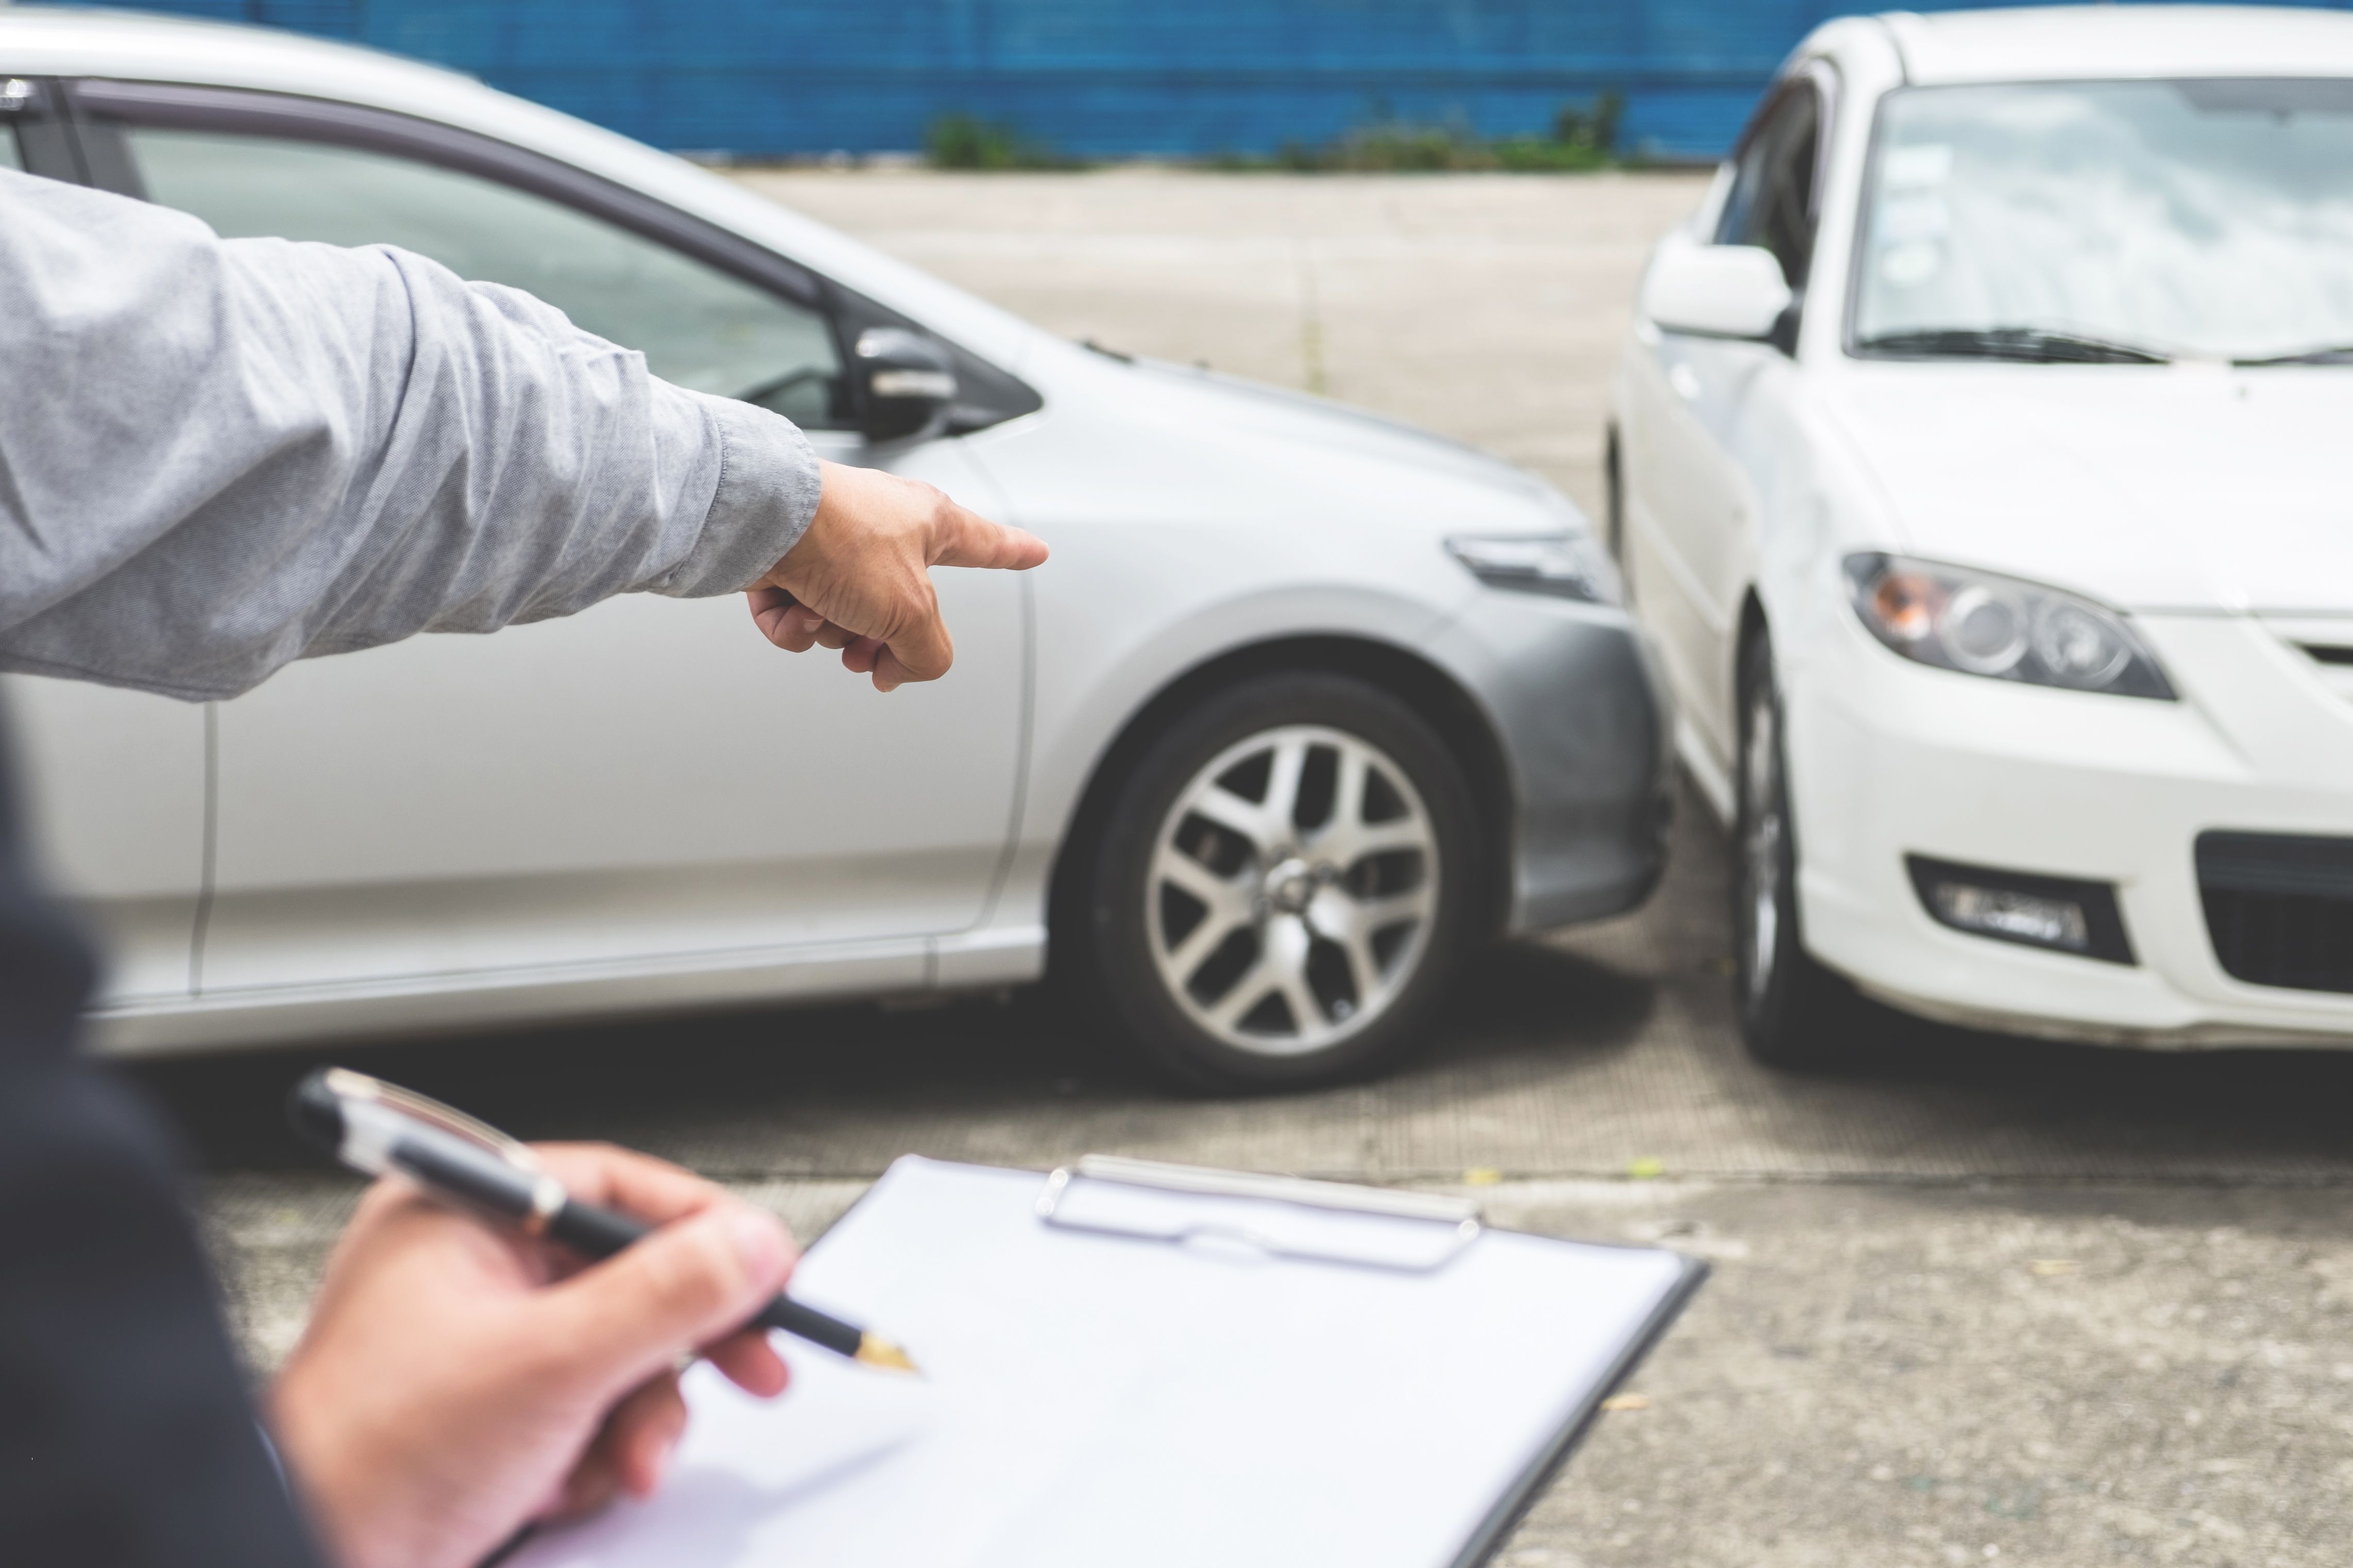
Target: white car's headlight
(1567,565)
(1980,624)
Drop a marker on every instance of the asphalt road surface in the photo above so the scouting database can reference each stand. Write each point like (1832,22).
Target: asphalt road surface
(1976,1300)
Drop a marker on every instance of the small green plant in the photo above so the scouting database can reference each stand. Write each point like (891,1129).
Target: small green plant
(1593,126)
(1401,146)
(960,140)
(1584,136)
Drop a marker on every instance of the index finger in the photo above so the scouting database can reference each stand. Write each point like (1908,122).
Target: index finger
(638,1184)
(658,1192)
(969,539)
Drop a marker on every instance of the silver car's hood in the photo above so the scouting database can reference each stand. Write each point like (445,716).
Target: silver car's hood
(1344,431)
(1173,440)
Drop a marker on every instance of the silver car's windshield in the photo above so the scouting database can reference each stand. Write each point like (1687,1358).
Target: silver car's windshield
(2111,221)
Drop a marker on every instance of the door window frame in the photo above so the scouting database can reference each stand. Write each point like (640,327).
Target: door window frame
(103,108)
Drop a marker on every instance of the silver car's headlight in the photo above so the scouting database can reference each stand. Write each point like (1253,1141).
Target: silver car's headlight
(1567,565)
(1979,624)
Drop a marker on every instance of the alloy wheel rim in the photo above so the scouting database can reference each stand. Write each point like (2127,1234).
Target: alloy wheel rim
(1761,843)
(1291,889)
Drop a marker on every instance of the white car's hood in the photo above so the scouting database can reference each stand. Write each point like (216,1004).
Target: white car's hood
(2152,487)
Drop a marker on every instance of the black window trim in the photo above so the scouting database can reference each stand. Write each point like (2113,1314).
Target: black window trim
(1818,76)
(98,106)
(96,101)
(1779,92)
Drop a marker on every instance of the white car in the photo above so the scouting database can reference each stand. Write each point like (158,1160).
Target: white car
(1304,702)
(1978,466)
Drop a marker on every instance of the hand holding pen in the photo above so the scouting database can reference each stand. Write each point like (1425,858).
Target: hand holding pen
(457,1380)
(375,1127)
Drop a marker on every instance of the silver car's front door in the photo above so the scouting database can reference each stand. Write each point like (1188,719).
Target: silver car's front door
(647,780)
(647,784)
(114,803)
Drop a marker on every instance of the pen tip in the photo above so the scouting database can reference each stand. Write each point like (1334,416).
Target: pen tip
(875,1351)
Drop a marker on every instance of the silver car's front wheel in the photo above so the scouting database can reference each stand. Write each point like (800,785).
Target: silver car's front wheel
(1283,882)
(1291,889)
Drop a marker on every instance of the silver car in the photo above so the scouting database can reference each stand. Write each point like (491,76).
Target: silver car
(1306,703)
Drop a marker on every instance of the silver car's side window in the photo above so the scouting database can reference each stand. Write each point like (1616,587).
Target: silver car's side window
(696,325)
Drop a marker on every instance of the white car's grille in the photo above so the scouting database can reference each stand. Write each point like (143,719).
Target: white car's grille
(2279,907)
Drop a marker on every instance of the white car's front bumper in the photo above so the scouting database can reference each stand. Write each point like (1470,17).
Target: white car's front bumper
(1890,758)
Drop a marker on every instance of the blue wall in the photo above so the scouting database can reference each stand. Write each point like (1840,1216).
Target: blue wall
(1100,78)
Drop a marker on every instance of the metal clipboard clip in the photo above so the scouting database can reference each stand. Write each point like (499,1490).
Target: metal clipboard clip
(1270,1216)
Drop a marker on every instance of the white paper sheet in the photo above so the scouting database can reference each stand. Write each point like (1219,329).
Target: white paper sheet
(1092,1400)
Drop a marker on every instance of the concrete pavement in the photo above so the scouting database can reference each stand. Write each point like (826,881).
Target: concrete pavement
(2077,1307)
(1977,1300)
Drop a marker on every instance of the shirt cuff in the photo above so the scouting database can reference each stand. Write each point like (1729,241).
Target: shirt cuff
(767,496)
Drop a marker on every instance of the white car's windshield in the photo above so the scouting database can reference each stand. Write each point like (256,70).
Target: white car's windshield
(2111,221)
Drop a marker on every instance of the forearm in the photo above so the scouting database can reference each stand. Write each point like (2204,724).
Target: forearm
(532,470)
(249,451)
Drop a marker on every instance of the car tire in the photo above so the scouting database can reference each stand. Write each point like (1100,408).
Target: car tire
(1282,886)
(1614,498)
(1794,1013)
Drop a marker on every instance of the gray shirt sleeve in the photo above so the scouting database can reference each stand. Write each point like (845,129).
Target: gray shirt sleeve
(218,455)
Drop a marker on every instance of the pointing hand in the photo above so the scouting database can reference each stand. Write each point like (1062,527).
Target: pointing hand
(859,579)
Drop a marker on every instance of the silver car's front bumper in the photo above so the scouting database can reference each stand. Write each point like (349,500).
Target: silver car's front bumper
(1583,724)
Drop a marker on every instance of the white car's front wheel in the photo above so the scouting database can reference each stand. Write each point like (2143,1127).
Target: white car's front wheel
(1284,884)
(1793,1012)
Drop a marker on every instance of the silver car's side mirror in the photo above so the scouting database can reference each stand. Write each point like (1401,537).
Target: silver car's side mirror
(1717,291)
(905,382)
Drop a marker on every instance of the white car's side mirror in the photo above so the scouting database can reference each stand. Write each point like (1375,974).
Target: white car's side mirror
(1721,291)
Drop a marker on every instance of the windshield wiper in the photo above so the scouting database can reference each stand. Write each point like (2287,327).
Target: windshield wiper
(2036,345)
(2335,353)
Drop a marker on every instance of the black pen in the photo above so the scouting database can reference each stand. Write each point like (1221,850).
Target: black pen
(373,1126)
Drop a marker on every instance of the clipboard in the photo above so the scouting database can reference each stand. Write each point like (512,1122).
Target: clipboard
(1144,1364)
